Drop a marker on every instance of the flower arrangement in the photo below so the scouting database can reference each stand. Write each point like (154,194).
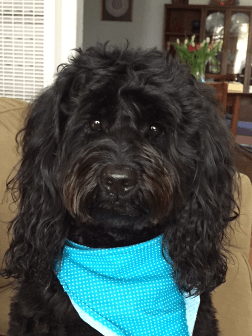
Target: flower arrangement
(196,55)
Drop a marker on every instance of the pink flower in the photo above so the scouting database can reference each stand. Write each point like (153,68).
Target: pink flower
(198,46)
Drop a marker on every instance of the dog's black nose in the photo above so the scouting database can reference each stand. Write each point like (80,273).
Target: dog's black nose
(118,179)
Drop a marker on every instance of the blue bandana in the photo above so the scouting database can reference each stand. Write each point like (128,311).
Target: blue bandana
(126,291)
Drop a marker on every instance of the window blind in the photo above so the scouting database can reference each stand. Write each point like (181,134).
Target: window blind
(21,48)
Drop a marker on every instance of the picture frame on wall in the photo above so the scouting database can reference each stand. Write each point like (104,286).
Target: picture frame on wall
(117,10)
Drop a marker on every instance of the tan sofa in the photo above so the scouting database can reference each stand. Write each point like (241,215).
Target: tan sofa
(233,300)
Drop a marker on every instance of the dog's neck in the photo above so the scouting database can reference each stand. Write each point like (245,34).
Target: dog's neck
(105,235)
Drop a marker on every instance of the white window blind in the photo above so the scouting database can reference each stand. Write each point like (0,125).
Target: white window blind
(21,48)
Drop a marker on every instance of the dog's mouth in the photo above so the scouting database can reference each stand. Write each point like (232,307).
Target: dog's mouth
(117,209)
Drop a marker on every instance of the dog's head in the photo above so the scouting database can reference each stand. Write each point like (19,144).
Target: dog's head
(125,145)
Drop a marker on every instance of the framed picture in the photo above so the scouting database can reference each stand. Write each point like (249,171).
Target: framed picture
(117,10)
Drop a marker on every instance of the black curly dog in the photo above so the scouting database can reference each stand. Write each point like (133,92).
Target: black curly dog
(131,136)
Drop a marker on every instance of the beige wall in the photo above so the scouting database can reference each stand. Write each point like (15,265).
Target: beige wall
(146,29)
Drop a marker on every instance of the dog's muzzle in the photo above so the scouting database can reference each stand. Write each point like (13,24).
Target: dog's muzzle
(118,179)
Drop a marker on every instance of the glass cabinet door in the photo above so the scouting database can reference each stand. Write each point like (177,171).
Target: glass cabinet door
(238,44)
(215,31)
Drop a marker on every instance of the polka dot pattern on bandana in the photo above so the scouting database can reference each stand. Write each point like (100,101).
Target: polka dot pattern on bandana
(126,291)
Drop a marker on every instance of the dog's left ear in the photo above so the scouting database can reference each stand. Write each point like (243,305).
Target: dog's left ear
(196,230)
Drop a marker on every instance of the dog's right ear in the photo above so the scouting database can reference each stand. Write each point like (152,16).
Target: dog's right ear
(39,230)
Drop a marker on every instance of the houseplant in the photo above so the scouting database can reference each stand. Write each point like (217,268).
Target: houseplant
(196,55)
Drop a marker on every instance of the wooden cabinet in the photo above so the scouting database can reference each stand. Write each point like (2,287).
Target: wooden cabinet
(232,24)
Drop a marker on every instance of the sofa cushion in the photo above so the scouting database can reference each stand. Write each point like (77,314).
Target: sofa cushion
(12,114)
(240,237)
(233,299)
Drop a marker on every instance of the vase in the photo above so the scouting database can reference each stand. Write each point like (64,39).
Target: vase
(200,76)
(198,70)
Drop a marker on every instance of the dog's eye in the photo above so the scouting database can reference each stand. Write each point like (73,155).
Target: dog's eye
(155,131)
(95,125)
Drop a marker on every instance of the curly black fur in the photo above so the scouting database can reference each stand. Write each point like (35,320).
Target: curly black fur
(144,110)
